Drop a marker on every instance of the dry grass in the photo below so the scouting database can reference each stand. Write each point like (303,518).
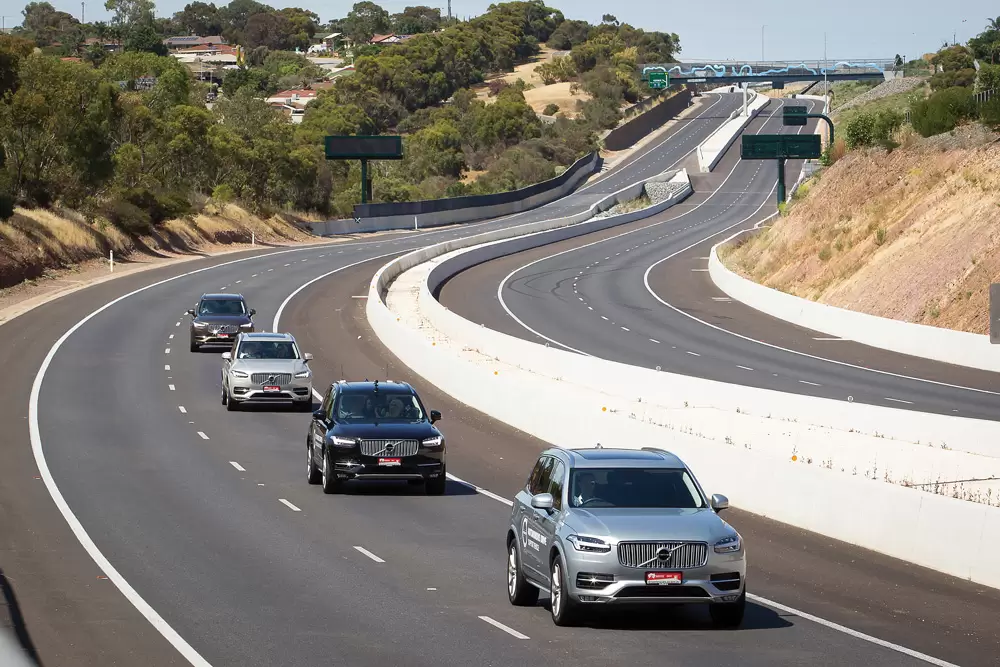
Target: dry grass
(913,234)
(36,242)
(539,95)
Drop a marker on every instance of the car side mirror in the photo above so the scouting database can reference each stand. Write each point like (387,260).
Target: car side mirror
(227,355)
(253,311)
(307,356)
(719,502)
(542,501)
(191,312)
(435,416)
(319,415)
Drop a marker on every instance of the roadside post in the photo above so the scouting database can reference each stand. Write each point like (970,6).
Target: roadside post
(995,313)
(780,147)
(364,148)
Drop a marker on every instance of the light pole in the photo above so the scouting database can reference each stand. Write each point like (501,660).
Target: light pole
(762,42)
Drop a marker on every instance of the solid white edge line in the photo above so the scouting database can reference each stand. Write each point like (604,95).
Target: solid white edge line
(288,505)
(897,400)
(369,554)
(237,466)
(853,633)
(500,626)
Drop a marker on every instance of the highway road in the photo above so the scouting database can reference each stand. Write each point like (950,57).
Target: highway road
(220,548)
(642,295)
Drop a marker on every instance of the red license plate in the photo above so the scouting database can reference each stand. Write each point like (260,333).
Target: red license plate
(390,462)
(272,388)
(664,578)
(223,335)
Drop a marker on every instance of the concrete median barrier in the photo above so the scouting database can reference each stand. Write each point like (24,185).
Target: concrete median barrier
(712,149)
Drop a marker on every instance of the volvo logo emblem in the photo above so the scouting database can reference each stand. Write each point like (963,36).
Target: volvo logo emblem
(390,447)
(270,379)
(664,553)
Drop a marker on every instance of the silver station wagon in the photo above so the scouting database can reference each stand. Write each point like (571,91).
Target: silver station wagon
(598,527)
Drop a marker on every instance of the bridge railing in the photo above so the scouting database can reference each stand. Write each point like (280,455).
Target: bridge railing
(683,70)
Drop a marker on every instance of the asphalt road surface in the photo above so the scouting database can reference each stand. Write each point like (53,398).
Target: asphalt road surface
(208,517)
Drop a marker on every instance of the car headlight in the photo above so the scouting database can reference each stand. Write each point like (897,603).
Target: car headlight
(337,441)
(590,544)
(303,374)
(239,374)
(728,545)
(436,441)
(200,325)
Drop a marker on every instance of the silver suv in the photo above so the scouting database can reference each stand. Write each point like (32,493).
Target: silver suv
(266,368)
(597,527)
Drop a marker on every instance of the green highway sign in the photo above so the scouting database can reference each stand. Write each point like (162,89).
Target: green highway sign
(795,115)
(658,80)
(781,146)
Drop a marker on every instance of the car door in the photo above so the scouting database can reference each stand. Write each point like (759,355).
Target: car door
(548,521)
(228,363)
(321,426)
(533,548)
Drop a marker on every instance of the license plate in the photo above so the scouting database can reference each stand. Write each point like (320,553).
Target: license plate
(223,335)
(664,578)
(272,388)
(390,462)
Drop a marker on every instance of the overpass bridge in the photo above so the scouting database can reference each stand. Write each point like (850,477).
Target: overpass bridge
(777,73)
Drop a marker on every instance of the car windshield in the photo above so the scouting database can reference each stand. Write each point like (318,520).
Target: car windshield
(267,349)
(380,405)
(222,307)
(634,487)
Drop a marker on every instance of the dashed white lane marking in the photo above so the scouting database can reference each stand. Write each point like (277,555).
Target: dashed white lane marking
(202,435)
(364,551)
(721,298)
(166,351)
(178,324)
(510,631)
(625,329)
(237,466)
(171,337)
(288,505)
(746,368)
(238,282)
(166,367)
(172,388)
(653,340)
(699,270)
(254,275)
(590,307)
(182,409)
(287,264)
(693,354)
(811,384)
(898,400)
(827,338)
(432,589)
(269,270)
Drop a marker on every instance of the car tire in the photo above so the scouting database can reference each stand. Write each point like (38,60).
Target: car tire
(729,614)
(330,482)
(434,486)
(565,612)
(313,474)
(231,405)
(195,347)
(519,591)
(305,406)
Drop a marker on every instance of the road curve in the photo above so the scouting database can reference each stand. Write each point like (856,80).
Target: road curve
(208,516)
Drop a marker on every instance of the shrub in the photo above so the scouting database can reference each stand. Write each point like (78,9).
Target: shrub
(989,113)
(942,111)
(551,109)
(496,86)
(158,206)
(223,193)
(873,129)
(128,217)
(825,253)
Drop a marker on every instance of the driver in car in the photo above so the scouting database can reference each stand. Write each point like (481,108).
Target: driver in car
(586,485)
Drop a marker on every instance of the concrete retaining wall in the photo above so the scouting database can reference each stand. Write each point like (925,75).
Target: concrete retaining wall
(631,132)
(712,149)
(953,347)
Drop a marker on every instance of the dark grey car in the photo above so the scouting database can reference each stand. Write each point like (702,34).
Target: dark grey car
(218,319)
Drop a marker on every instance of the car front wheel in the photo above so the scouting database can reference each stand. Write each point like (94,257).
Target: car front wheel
(434,486)
(519,591)
(313,473)
(231,405)
(564,610)
(330,482)
(729,614)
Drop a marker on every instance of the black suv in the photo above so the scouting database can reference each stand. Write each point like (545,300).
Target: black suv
(375,431)
(218,319)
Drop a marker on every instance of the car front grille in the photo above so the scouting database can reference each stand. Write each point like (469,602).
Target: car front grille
(265,378)
(223,328)
(684,555)
(400,447)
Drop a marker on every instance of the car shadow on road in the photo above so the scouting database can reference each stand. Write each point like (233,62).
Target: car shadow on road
(679,618)
(373,488)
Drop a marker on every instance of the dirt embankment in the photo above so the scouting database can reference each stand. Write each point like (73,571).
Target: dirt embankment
(42,243)
(913,234)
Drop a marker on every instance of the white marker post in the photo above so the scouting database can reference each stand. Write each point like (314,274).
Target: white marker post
(415,226)
(253,238)
(111,261)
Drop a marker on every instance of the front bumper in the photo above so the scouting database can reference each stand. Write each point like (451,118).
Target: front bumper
(211,336)
(243,390)
(722,579)
(351,465)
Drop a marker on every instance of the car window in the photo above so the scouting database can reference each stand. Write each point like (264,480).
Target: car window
(540,482)
(267,349)
(558,481)
(222,307)
(535,472)
(328,402)
(382,405)
(671,488)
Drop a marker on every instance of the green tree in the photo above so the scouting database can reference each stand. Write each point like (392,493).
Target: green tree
(416,20)
(988,77)
(144,37)
(13,51)
(200,18)
(129,13)
(365,20)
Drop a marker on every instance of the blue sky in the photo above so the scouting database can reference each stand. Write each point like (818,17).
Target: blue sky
(723,29)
